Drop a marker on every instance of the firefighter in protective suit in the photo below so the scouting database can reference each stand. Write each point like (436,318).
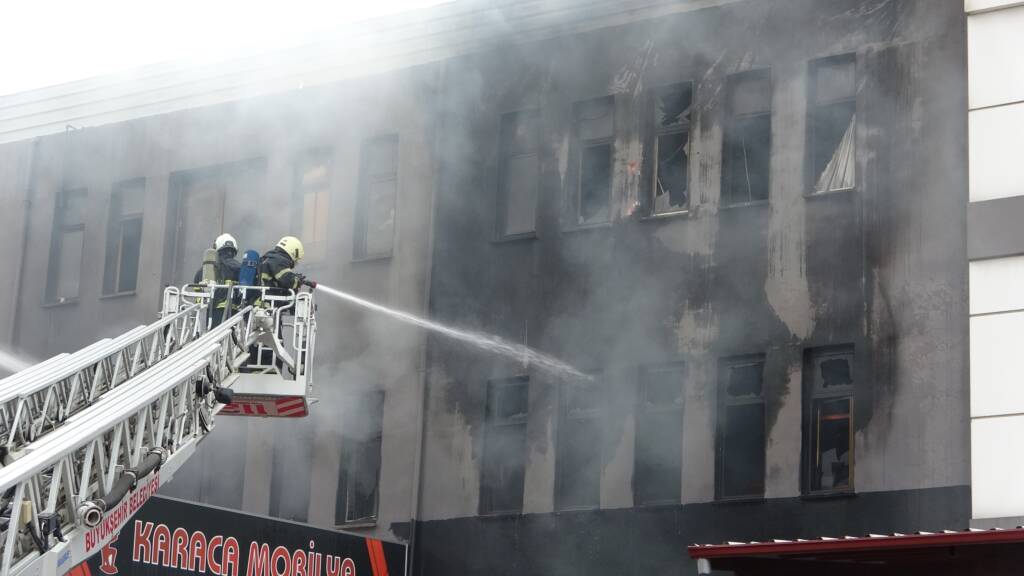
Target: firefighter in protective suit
(225,273)
(277,267)
(277,273)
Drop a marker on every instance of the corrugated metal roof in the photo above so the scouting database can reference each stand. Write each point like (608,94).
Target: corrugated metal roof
(853,544)
(360,49)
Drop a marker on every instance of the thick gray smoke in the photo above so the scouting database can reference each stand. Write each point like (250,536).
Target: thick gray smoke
(11,362)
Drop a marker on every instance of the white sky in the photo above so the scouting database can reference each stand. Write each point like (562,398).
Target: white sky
(47,42)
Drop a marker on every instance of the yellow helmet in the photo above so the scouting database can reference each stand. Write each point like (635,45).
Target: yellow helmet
(292,246)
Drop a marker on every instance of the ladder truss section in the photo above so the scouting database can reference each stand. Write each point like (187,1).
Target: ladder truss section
(37,400)
(66,496)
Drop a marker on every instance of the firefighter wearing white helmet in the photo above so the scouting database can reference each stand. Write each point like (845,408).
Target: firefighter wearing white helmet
(226,270)
(277,267)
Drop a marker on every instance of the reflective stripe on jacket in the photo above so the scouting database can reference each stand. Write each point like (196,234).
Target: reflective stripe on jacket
(276,270)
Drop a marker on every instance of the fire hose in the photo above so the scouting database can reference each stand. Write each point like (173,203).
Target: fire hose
(91,511)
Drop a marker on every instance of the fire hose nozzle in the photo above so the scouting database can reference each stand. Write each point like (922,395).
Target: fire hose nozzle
(91,512)
(310,283)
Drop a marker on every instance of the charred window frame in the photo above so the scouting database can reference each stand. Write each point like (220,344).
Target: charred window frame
(376,212)
(832,124)
(657,469)
(124,237)
(740,446)
(579,458)
(358,491)
(669,142)
(747,143)
(311,199)
(67,246)
(594,135)
(504,458)
(829,386)
(518,174)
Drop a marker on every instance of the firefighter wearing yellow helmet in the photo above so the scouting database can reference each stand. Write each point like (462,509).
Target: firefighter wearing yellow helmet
(277,267)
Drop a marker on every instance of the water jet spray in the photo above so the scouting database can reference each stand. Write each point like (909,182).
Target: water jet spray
(486,342)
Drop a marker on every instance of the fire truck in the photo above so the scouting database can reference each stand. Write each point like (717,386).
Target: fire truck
(88,437)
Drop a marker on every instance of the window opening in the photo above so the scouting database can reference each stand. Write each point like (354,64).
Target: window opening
(519,173)
(360,462)
(124,237)
(741,428)
(748,137)
(659,435)
(829,400)
(312,191)
(832,123)
(595,130)
(578,483)
(375,221)
(67,245)
(672,109)
(504,462)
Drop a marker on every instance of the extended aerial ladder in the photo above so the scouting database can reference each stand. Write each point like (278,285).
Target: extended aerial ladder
(86,438)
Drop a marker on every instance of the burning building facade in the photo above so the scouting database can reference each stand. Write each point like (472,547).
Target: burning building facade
(745,219)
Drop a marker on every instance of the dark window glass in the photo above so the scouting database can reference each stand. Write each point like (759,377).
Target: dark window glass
(375,221)
(360,462)
(504,464)
(832,121)
(594,136)
(659,436)
(579,448)
(743,450)
(748,138)
(672,147)
(131,240)
(66,247)
(741,429)
(124,237)
(519,173)
(828,400)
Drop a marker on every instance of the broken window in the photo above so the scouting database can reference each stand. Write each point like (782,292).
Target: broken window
(671,148)
(519,173)
(578,482)
(504,462)
(748,138)
(360,462)
(291,474)
(124,237)
(595,131)
(66,247)
(659,436)
(312,192)
(831,122)
(829,431)
(375,211)
(741,428)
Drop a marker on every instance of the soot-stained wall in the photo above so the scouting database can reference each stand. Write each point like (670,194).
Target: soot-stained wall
(881,267)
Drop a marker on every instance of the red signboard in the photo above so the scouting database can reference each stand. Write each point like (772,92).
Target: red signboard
(171,536)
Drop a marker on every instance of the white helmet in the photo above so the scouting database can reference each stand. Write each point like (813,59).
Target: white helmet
(225,241)
(292,246)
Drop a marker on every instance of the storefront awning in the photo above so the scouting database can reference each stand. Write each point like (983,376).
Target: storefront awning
(966,552)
